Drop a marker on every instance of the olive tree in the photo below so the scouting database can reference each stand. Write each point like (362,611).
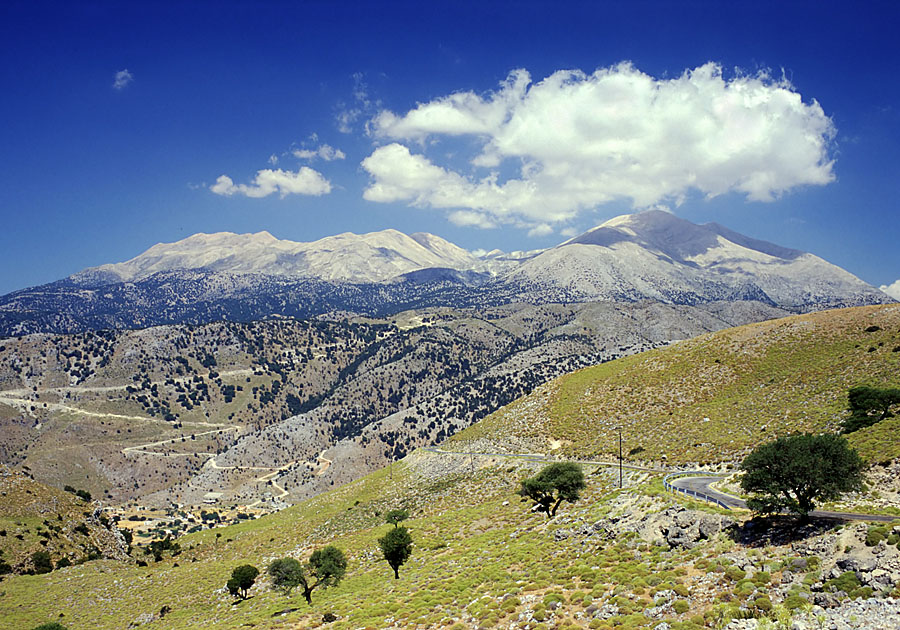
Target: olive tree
(555,483)
(242,579)
(794,472)
(326,567)
(396,547)
(395,517)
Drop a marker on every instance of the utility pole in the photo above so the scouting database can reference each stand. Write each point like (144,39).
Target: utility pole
(619,429)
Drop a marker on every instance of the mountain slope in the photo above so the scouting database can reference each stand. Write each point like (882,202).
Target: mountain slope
(655,255)
(347,257)
(175,412)
(714,397)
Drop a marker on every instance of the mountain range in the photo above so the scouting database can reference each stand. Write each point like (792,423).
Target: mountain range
(651,255)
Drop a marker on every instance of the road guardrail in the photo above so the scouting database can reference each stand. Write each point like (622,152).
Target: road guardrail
(693,493)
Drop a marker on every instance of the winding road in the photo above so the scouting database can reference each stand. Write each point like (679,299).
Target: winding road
(704,485)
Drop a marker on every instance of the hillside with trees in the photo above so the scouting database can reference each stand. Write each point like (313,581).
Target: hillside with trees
(173,413)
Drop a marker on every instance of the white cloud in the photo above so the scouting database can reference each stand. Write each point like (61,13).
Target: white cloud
(324,152)
(400,175)
(347,115)
(576,141)
(306,181)
(122,78)
(541,229)
(892,289)
(467,218)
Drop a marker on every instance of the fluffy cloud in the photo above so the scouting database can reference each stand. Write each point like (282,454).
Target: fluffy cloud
(892,289)
(324,152)
(576,141)
(306,181)
(121,79)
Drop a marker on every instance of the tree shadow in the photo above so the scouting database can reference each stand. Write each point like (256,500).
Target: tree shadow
(761,531)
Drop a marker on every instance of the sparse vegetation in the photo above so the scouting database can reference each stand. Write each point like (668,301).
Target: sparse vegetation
(479,561)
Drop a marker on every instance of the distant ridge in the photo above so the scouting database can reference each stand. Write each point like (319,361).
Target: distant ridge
(347,257)
(649,256)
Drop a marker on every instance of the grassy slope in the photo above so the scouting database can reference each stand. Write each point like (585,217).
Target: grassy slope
(480,557)
(714,397)
(37,517)
(469,545)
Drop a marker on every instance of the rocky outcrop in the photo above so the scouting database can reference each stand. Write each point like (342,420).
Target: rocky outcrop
(871,614)
(675,526)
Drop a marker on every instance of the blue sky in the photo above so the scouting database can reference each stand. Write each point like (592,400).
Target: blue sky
(780,120)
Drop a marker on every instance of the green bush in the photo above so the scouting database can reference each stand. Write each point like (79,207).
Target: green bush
(553,596)
(875,535)
(847,582)
(794,601)
(735,574)
(763,604)
(865,592)
(42,562)
(681,606)
(762,578)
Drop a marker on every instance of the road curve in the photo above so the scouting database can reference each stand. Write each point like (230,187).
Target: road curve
(703,485)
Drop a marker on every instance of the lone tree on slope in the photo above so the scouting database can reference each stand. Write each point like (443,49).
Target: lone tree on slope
(242,578)
(558,482)
(794,472)
(396,547)
(868,406)
(395,517)
(326,566)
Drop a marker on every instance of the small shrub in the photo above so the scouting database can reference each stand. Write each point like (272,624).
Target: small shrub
(875,535)
(763,604)
(762,578)
(847,582)
(793,602)
(552,597)
(681,606)
(735,574)
(865,592)
(42,562)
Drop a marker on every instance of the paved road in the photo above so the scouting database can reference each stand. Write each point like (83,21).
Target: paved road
(702,484)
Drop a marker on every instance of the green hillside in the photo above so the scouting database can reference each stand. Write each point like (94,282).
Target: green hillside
(35,517)
(481,559)
(477,553)
(714,397)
